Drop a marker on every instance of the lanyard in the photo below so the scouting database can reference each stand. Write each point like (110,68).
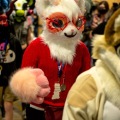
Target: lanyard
(61,72)
(60,69)
(58,87)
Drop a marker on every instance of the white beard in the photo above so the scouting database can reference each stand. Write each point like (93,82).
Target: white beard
(63,50)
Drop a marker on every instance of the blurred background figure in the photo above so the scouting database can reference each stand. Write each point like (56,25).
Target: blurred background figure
(22,16)
(98,14)
(96,17)
(18,16)
(102,10)
(10,59)
(100,29)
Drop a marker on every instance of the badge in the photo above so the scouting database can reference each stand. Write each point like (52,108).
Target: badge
(57,90)
(63,87)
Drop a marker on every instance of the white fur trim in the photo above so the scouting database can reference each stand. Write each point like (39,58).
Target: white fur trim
(112,61)
(109,82)
(23,84)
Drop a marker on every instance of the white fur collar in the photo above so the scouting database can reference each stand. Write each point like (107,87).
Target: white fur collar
(112,61)
(109,82)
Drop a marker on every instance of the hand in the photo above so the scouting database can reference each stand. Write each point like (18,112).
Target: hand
(30,85)
(43,83)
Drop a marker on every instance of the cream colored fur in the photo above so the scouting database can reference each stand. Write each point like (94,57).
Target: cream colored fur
(109,83)
(108,65)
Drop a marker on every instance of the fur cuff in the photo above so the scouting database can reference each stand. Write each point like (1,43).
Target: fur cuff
(23,84)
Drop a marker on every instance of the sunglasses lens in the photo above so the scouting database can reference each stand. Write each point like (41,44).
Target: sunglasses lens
(56,22)
(80,22)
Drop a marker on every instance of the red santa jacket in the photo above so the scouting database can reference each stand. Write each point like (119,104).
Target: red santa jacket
(37,55)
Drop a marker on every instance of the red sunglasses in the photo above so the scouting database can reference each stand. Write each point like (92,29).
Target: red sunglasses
(58,22)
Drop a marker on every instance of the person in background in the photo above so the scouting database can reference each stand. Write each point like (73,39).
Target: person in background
(10,59)
(97,16)
(19,17)
(35,22)
(103,8)
(100,29)
(92,18)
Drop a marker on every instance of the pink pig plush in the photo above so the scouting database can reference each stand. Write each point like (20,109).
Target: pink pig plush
(34,78)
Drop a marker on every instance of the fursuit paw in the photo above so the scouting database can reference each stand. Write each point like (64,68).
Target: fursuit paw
(30,85)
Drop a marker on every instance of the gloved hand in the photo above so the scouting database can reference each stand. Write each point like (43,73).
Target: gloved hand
(30,85)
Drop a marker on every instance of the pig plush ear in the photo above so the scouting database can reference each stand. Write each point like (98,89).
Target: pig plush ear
(81,4)
(41,5)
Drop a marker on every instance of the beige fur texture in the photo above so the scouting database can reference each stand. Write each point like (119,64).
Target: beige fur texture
(18,85)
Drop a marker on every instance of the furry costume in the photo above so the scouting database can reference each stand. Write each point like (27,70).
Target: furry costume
(58,52)
(96,93)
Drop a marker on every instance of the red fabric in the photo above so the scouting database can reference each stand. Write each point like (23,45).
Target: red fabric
(53,113)
(38,55)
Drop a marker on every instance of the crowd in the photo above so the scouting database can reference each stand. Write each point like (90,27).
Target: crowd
(97,18)
(19,26)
